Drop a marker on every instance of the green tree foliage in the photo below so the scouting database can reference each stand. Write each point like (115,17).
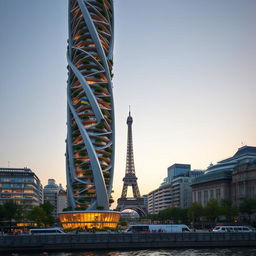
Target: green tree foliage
(174,214)
(69,208)
(37,215)
(123,223)
(227,209)
(11,211)
(1,213)
(42,214)
(248,206)
(195,211)
(212,209)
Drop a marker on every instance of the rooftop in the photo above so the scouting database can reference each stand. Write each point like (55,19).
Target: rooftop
(15,170)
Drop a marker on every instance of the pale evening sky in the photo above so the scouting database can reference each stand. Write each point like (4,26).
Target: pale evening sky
(186,67)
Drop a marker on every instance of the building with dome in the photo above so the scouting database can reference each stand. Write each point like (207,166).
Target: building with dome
(50,194)
(233,178)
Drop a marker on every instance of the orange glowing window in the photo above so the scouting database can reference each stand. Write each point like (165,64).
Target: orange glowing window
(76,37)
(77,83)
(104,78)
(28,191)
(84,158)
(75,101)
(90,81)
(104,104)
(77,141)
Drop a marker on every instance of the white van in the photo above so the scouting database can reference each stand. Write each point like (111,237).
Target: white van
(232,229)
(45,231)
(157,228)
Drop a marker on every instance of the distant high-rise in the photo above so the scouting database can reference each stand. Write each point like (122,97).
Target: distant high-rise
(90,109)
(50,192)
(61,200)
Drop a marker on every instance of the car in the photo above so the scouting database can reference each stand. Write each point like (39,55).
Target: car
(46,231)
(158,228)
(232,229)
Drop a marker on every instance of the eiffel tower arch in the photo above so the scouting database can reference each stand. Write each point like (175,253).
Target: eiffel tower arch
(136,202)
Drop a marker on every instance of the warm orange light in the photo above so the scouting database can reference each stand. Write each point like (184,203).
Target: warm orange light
(79,45)
(104,104)
(90,122)
(75,101)
(76,37)
(77,83)
(90,81)
(28,191)
(89,220)
(77,140)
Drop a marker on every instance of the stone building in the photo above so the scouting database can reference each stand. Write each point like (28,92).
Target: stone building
(244,181)
(61,200)
(211,185)
(225,178)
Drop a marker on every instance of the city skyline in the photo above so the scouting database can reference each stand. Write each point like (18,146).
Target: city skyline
(186,69)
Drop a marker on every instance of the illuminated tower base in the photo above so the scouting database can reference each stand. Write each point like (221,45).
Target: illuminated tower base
(89,219)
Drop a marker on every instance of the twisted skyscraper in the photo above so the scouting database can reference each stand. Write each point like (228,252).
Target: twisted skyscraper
(90,109)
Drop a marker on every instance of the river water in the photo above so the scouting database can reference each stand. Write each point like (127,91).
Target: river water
(157,252)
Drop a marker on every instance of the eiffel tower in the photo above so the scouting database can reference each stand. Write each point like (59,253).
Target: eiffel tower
(136,202)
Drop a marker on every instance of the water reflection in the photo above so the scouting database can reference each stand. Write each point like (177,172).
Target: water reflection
(177,252)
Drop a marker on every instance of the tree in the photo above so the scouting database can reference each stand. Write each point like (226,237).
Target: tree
(2,213)
(212,209)
(48,209)
(248,206)
(184,215)
(173,213)
(42,214)
(11,211)
(195,211)
(37,215)
(227,209)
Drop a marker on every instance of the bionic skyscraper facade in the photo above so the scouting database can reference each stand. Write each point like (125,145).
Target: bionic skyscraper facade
(90,109)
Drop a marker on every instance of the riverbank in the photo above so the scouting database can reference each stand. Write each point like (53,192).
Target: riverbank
(110,241)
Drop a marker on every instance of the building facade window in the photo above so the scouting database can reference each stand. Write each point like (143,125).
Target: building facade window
(218,195)
(211,193)
(200,197)
(205,197)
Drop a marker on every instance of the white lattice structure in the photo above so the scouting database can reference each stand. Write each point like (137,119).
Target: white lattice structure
(90,109)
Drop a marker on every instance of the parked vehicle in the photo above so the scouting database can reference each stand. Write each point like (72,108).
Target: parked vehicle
(45,231)
(157,228)
(232,229)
